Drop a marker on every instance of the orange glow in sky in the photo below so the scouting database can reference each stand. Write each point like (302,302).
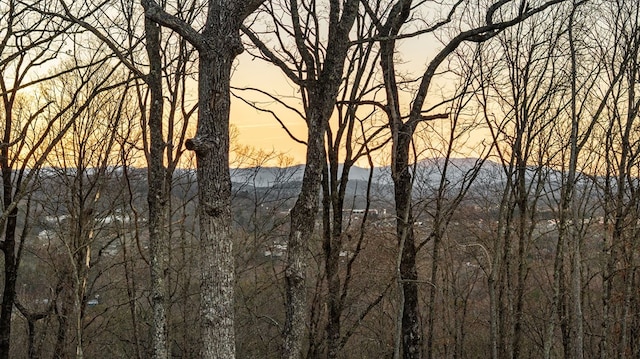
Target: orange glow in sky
(260,129)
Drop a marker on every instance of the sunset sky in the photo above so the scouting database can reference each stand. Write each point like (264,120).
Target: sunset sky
(261,130)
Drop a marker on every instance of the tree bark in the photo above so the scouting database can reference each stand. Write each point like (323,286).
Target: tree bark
(218,44)
(211,145)
(157,194)
(10,271)
(577,341)
(403,182)
(8,245)
(303,216)
(321,86)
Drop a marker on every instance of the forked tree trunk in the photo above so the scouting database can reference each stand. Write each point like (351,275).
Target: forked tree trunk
(303,214)
(321,90)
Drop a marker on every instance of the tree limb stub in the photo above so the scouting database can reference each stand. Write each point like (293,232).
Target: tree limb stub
(214,209)
(201,145)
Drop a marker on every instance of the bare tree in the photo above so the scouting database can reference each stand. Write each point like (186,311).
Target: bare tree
(158,189)
(615,143)
(217,43)
(318,73)
(585,108)
(498,16)
(354,136)
(161,148)
(86,156)
(27,45)
(169,66)
(525,76)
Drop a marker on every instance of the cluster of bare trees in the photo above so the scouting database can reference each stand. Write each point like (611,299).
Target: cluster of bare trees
(506,131)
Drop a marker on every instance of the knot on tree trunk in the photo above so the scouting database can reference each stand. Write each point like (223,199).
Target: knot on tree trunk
(201,145)
(214,209)
(235,43)
(224,45)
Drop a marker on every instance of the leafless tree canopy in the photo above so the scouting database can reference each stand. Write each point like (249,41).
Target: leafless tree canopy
(470,186)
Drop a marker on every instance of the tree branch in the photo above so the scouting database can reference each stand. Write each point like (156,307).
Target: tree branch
(157,14)
(272,57)
(107,41)
(275,116)
(478,34)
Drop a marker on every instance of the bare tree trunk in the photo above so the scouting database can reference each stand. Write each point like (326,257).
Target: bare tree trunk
(10,261)
(433,290)
(32,319)
(62,312)
(131,295)
(157,194)
(403,183)
(211,145)
(303,216)
(402,129)
(218,44)
(343,145)
(322,98)
(576,263)
(319,80)
(332,242)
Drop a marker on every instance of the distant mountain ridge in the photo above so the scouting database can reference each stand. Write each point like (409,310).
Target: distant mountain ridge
(269,176)
(427,170)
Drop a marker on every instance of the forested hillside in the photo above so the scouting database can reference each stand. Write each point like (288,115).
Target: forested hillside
(469,186)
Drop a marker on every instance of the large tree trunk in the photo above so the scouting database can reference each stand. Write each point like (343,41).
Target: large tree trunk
(218,44)
(321,94)
(302,225)
(211,145)
(303,219)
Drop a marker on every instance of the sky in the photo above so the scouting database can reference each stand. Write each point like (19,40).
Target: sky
(261,130)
